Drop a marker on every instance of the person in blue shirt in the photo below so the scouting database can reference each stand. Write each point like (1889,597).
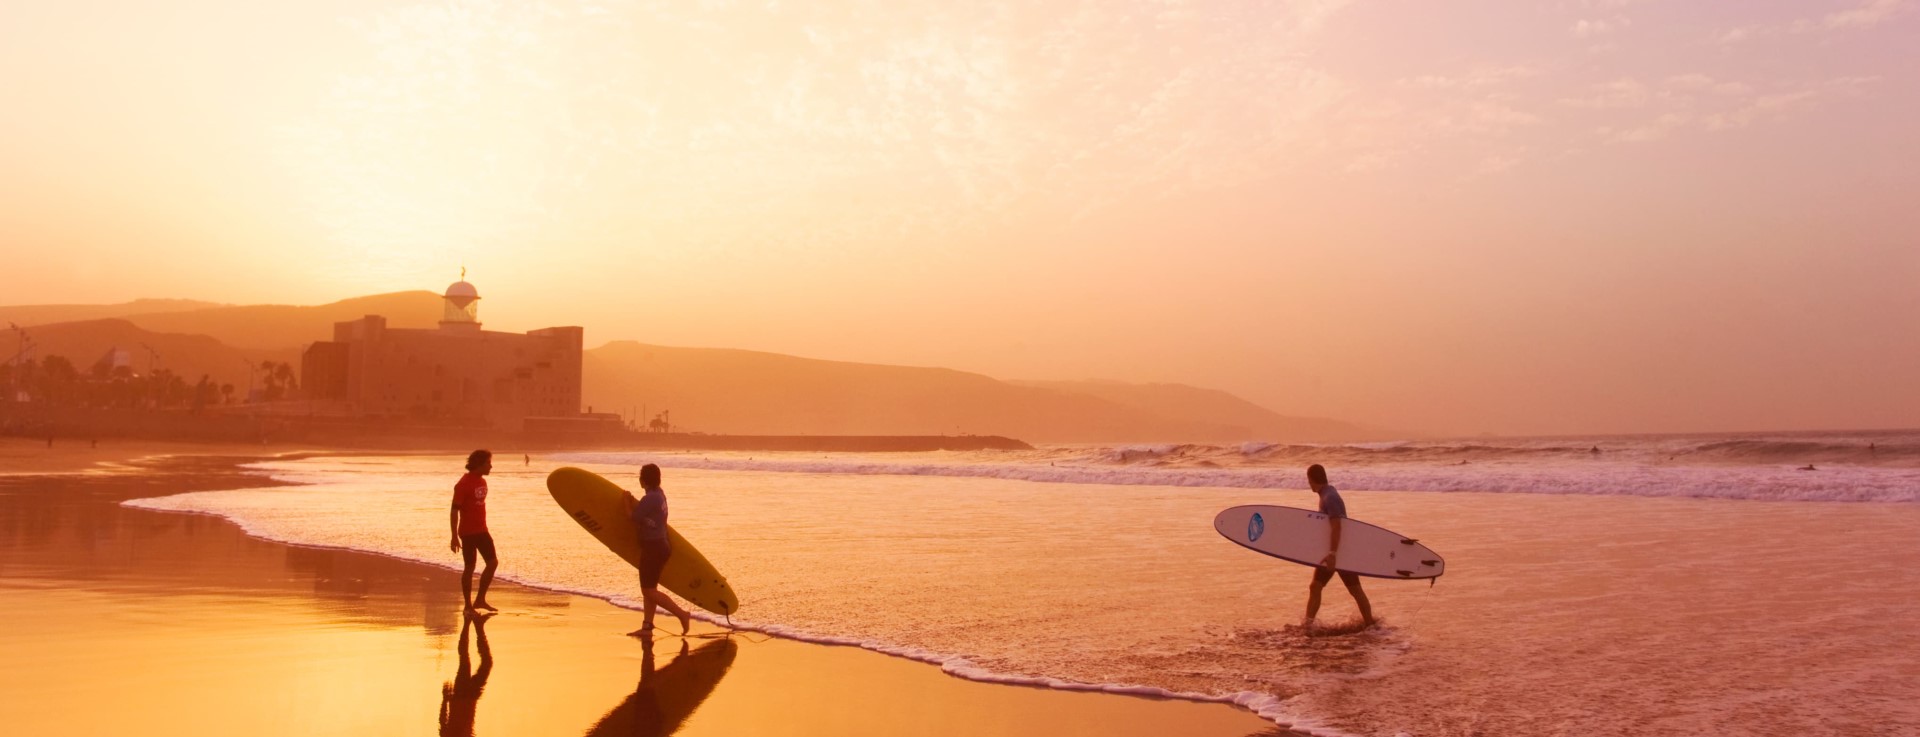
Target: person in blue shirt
(649,514)
(1336,510)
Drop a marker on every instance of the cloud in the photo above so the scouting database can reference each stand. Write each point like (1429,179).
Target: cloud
(1864,16)
(1703,104)
(1599,27)
(1497,163)
(1494,117)
(1620,93)
(1741,34)
(1701,83)
(1486,76)
(1869,14)
(1655,130)
(1758,107)
(483,122)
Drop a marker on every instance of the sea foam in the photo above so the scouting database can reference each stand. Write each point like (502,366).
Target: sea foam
(1752,482)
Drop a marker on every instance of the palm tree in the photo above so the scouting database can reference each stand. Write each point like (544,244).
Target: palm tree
(284,372)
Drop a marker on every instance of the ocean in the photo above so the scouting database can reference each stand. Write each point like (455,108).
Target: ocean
(1595,586)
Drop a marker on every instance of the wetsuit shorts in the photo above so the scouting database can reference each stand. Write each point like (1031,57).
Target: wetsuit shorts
(479,542)
(653,560)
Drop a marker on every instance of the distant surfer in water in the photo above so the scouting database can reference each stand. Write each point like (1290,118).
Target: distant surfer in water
(1336,511)
(469,523)
(649,514)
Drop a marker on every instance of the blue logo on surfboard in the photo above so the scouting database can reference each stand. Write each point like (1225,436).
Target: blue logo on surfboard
(1255,527)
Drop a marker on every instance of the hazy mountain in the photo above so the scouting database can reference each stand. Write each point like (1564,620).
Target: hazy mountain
(736,391)
(189,356)
(269,327)
(251,327)
(707,389)
(1194,404)
(31,315)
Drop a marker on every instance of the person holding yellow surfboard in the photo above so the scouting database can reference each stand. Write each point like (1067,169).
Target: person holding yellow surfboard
(649,515)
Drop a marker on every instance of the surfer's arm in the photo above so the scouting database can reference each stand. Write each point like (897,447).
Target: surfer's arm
(1333,547)
(646,514)
(453,526)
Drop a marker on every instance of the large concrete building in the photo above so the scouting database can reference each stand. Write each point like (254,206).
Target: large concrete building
(457,374)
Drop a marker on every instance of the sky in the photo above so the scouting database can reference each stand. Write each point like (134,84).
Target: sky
(1589,216)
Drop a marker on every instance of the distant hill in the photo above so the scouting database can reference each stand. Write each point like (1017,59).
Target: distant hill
(1248,421)
(273,327)
(735,391)
(31,315)
(252,327)
(711,390)
(190,356)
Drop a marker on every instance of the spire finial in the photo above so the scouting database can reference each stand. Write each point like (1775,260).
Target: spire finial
(463,272)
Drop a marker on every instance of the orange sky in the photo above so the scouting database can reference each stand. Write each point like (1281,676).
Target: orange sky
(1598,216)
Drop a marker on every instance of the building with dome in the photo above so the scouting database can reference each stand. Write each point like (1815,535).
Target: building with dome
(457,374)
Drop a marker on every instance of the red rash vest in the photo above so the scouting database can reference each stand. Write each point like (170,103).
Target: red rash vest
(470,495)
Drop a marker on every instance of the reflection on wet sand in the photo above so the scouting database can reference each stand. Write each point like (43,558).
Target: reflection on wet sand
(460,697)
(71,531)
(665,698)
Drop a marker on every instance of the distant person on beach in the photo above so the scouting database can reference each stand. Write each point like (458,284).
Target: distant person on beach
(1336,511)
(469,524)
(649,514)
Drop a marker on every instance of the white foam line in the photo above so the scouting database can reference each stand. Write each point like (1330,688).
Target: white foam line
(1757,483)
(1266,706)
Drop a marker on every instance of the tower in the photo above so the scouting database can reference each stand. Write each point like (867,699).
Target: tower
(462,313)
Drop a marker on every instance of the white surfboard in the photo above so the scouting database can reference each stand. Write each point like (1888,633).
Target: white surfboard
(1301,536)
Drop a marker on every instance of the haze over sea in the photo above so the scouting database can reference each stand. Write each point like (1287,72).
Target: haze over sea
(1661,585)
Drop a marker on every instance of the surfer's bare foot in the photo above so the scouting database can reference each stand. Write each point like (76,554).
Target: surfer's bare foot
(686,623)
(645,631)
(484,605)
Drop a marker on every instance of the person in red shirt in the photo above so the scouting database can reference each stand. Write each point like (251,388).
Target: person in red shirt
(469,523)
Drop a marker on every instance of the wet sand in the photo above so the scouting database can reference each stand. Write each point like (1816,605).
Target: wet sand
(19,455)
(122,620)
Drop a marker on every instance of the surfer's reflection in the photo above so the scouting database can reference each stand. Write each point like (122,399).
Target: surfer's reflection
(459,697)
(665,698)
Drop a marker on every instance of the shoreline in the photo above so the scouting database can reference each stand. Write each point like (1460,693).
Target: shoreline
(584,623)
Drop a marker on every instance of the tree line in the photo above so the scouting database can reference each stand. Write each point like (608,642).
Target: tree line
(54,380)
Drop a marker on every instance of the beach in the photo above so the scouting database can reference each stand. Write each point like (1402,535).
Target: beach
(124,620)
(1073,591)
(1672,585)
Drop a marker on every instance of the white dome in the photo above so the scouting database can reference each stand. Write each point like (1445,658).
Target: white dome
(462,290)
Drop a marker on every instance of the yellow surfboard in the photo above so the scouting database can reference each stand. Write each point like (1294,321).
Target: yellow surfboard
(600,506)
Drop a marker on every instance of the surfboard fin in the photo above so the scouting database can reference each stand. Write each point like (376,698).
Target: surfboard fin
(1405,574)
(1408,541)
(1428,562)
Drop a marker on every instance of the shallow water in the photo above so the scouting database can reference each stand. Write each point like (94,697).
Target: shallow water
(1560,614)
